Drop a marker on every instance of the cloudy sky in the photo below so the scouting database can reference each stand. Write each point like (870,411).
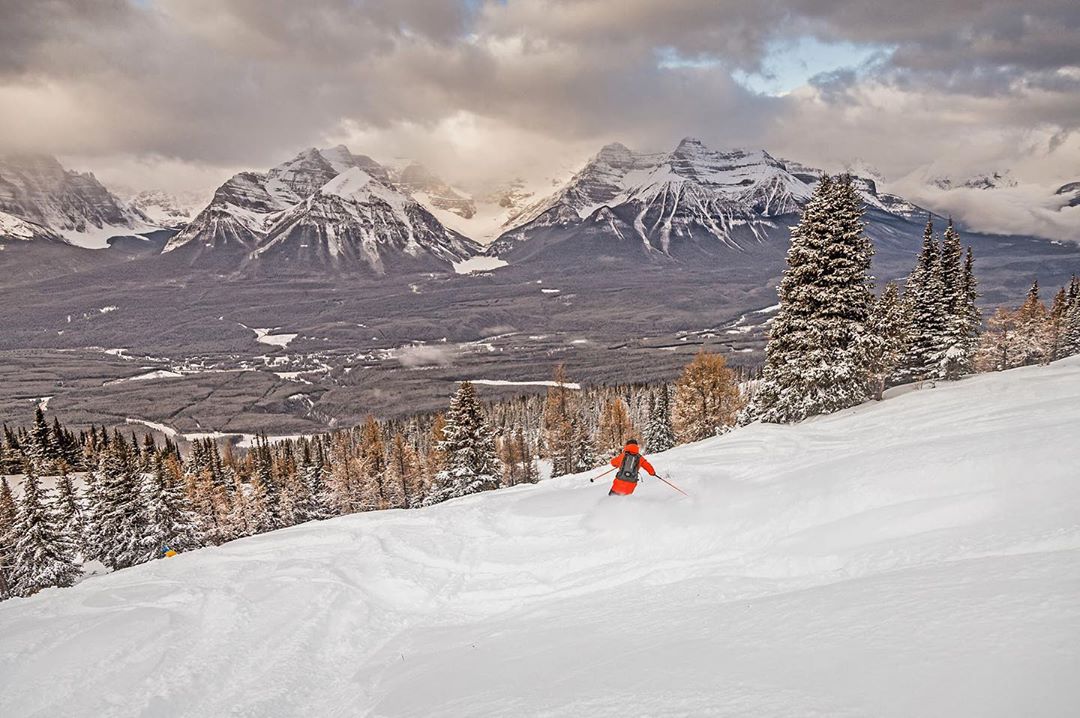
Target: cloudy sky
(181,93)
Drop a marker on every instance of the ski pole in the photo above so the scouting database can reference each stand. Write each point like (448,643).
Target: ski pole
(672,485)
(600,476)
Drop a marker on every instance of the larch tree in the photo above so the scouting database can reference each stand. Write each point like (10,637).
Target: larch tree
(404,477)
(613,429)
(1033,330)
(557,425)
(707,399)
(815,358)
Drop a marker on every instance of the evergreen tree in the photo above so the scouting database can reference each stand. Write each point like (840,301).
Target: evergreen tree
(311,472)
(266,495)
(40,450)
(171,523)
(8,515)
(815,362)
(42,556)
(1070,332)
(659,432)
(69,513)
(469,444)
(707,400)
(116,533)
(886,341)
(1056,325)
(969,315)
(929,312)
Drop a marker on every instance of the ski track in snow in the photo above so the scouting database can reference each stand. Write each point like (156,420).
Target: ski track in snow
(914,557)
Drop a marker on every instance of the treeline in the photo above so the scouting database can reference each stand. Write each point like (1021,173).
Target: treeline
(834,344)
(120,500)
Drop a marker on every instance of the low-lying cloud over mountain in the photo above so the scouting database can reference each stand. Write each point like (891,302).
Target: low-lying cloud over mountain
(189,91)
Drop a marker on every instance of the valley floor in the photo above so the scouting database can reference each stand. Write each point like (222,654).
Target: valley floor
(915,557)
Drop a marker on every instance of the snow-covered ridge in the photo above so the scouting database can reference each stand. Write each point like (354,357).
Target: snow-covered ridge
(325,207)
(39,190)
(917,556)
(693,193)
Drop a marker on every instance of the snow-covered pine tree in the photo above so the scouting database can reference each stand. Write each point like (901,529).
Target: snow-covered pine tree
(40,451)
(170,521)
(659,432)
(970,315)
(707,400)
(815,361)
(69,513)
(43,556)
(1070,333)
(8,515)
(928,311)
(887,339)
(1056,325)
(311,472)
(266,495)
(469,444)
(955,357)
(116,526)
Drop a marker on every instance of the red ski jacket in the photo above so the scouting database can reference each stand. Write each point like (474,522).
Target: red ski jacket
(632,449)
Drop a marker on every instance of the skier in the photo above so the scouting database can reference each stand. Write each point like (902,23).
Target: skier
(628,463)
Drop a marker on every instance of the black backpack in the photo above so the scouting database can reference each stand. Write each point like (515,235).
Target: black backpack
(628,469)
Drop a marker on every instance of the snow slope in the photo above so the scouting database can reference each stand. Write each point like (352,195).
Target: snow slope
(917,557)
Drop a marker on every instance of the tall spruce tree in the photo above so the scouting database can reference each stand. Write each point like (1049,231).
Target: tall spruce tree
(1070,333)
(815,362)
(887,339)
(171,523)
(969,313)
(659,432)
(469,444)
(43,556)
(69,513)
(928,311)
(116,533)
(8,515)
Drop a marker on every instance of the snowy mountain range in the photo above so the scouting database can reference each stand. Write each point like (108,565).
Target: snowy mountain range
(167,210)
(49,201)
(665,204)
(323,208)
(988,180)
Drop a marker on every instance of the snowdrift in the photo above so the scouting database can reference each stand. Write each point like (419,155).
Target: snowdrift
(917,557)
